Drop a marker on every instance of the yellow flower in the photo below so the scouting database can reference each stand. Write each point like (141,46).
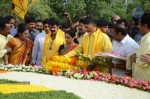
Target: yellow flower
(66,59)
(16,88)
(63,63)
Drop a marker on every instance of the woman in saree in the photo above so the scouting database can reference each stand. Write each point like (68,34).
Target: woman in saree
(19,48)
(70,43)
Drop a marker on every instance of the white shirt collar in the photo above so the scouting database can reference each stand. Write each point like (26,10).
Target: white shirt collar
(125,39)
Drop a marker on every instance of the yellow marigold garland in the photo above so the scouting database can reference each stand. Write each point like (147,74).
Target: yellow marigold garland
(17,88)
(61,63)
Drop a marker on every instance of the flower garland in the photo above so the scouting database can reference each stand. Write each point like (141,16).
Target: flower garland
(61,63)
(98,76)
(21,68)
(86,75)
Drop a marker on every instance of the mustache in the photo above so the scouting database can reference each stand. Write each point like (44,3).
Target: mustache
(52,30)
(79,29)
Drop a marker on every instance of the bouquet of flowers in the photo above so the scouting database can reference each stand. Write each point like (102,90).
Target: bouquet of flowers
(61,63)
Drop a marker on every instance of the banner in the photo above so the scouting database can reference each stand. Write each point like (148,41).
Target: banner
(20,7)
(137,12)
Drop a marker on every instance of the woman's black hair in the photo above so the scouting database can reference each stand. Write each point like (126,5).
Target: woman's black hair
(21,28)
(72,34)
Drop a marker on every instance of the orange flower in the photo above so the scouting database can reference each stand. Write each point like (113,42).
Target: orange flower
(55,69)
(3,71)
(51,57)
(73,61)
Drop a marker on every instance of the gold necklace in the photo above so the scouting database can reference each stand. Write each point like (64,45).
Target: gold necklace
(68,46)
(21,41)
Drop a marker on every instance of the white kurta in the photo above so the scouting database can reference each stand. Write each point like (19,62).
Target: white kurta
(38,48)
(141,70)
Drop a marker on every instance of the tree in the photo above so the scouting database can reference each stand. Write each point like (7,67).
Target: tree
(96,8)
(105,9)
(41,11)
(130,7)
(145,5)
(74,7)
(5,8)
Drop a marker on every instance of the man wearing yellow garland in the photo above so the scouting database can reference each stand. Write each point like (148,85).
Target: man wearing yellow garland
(52,41)
(95,41)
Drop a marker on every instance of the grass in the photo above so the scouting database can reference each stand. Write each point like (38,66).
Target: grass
(37,95)
(4,81)
(40,95)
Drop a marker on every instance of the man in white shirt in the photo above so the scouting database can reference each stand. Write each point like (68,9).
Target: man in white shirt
(39,43)
(124,45)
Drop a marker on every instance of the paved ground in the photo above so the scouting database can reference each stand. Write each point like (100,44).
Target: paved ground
(84,88)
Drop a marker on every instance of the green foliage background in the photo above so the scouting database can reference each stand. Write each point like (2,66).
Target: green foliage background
(78,8)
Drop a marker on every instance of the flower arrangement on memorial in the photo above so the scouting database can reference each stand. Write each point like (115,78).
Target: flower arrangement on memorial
(99,76)
(61,63)
(21,68)
(85,75)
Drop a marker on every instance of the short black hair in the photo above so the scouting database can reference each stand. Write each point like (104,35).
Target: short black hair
(89,20)
(82,19)
(46,21)
(145,19)
(9,17)
(39,20)
(118,29)
(66,25)
(29,19)
(102,22)
(120,21)
(53,21)
(3,22)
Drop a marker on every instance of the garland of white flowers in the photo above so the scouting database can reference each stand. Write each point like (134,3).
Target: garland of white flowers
(22,68)
(93,75)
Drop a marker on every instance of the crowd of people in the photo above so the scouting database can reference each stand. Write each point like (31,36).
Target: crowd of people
(35,40)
